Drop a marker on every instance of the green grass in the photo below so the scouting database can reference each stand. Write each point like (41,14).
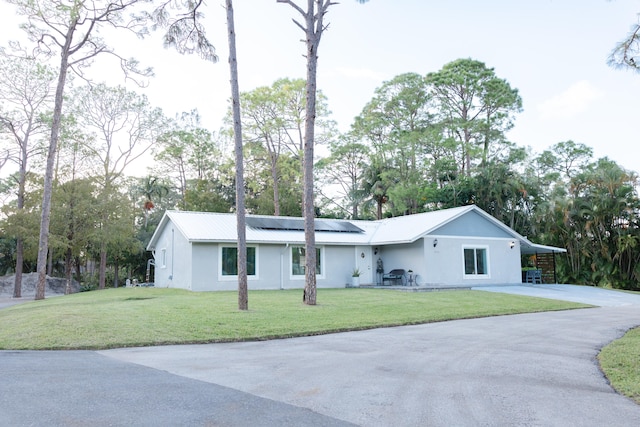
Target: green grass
(147,316)
(620,362)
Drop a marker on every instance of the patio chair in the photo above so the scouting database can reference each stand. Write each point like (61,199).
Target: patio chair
(533,276)
(397,276)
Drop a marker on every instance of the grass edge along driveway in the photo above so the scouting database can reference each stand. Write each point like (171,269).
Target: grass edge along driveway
(620,362)
(133,317)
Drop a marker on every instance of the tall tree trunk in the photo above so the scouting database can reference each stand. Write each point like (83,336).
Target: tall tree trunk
(314,27)
(22,178)
(243,298)
(467,150)
(102,277)
(43,245)
(17,284)
(68,270)
(77,267)
(485,147)
(116,272)
(276,187)
(50,263)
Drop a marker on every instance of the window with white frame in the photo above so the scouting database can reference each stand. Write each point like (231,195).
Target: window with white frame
(229,261)
(163,258)
(476,262)
(298,261)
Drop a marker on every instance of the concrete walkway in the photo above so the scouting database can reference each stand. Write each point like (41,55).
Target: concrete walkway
(583,294)
(524,370)
(6,301)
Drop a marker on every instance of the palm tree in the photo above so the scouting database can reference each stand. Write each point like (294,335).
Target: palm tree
(151,188)
(375,187)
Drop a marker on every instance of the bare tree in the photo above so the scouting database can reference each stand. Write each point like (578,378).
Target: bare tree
(26,89)
(71,30)
(125,128)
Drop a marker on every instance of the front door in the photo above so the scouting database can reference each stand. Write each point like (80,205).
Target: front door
(364,264)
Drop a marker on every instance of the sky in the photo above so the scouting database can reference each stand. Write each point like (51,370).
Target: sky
(553,51)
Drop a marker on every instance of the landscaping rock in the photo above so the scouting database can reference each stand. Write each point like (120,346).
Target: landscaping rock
(54,285)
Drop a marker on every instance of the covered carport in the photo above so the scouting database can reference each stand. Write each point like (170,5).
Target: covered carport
(542,258)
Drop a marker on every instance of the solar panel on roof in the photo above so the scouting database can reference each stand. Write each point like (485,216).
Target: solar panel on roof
(336,226)
(275,223)
(295,224)
(323,226)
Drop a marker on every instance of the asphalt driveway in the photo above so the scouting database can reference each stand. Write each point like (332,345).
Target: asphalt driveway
(524,370)
(583,294)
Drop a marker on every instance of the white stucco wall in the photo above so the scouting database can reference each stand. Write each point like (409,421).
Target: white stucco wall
(197,266)
(340,262)
(172,268)
(408,256)
(204,258)
(338,265)
(273,268)
(444,263)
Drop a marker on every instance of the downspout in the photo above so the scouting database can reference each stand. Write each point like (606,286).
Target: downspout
(172,251)
(286,246)
(150,262)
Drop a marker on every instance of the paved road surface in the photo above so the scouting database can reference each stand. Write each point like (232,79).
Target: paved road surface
(583,294)
(523,370)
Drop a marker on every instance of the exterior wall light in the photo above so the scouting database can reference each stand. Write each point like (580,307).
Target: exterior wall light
(435,242)
(512,244)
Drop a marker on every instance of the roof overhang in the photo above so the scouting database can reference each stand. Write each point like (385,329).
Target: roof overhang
(392,231)
(529,248)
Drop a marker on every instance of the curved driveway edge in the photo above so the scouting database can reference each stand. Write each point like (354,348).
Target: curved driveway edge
(85,389)
(532,369)
(523,370)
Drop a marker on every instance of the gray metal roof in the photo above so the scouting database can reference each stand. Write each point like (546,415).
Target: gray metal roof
(409,228)
(221,227)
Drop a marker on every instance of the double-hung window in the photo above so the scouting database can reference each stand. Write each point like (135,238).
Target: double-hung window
(229,261)
(476,262)
(298,261)
(163,258)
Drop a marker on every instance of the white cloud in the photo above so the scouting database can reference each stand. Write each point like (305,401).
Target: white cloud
(570,103)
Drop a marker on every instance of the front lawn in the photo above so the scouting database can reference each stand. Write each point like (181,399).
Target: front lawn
(146,316)
(620,361)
